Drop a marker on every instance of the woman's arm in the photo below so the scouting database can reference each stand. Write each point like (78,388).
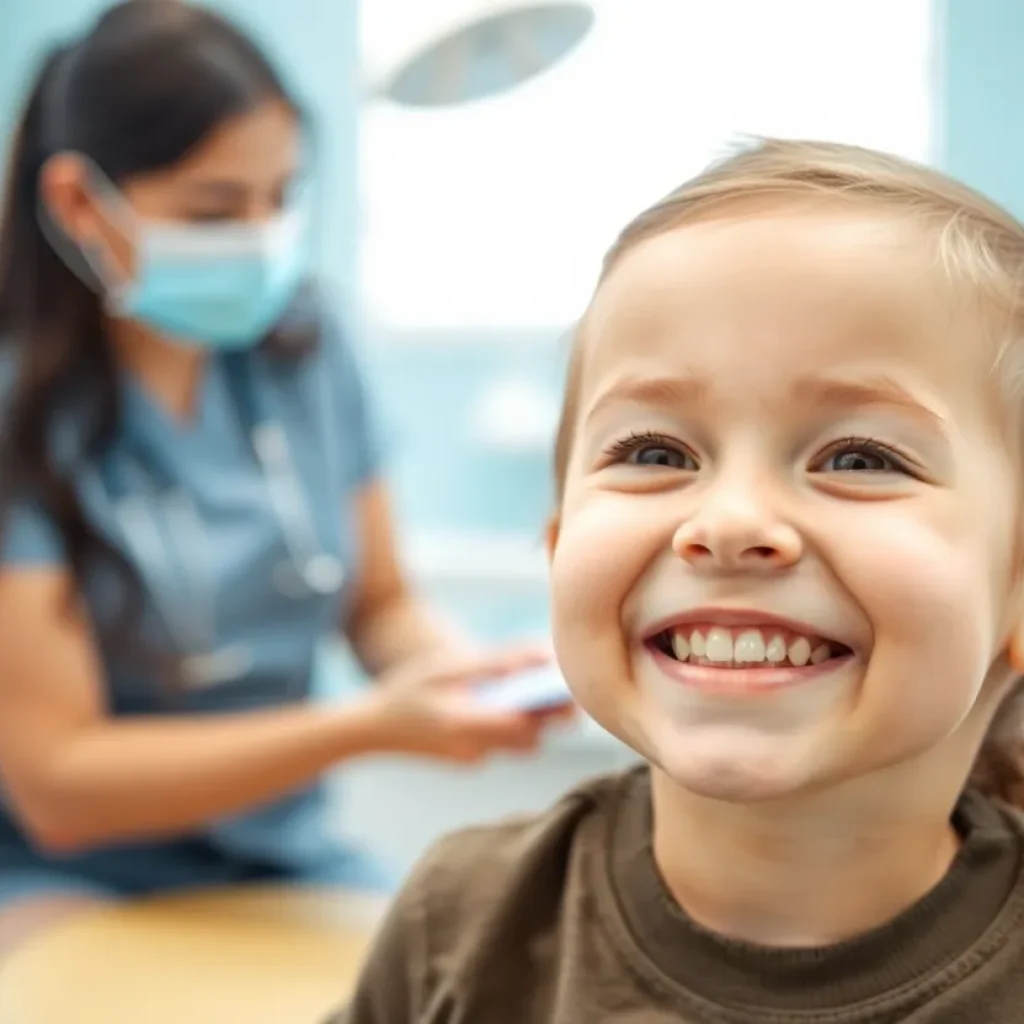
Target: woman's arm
(388,624)
(77,777)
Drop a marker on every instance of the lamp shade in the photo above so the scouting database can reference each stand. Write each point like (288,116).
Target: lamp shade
(437,53)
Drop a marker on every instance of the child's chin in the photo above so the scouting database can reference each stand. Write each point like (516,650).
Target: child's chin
(741,773)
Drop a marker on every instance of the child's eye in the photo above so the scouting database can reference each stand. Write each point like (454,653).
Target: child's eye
(652,450)
(861,455)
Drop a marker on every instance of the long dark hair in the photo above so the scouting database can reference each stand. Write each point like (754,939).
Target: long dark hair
(142,88)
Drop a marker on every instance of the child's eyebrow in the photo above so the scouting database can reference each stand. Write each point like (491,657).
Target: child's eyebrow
(818,391)
(876,390)
(649,390)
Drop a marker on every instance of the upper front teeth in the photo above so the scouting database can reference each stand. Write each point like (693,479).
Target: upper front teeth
(776,650)
(748,647)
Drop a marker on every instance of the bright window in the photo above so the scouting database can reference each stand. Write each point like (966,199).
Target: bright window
(496,214)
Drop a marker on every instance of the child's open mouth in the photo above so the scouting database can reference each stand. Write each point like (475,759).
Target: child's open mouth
(745,647)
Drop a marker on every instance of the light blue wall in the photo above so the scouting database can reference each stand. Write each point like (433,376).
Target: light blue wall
(980,87)
(315,43)
(447,477)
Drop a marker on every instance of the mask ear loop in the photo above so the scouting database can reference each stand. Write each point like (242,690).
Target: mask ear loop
(86,262)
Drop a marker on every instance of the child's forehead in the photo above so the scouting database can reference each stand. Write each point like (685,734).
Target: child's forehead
(830,266)
(795,292)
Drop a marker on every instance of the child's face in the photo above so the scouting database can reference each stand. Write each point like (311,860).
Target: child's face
(790,444)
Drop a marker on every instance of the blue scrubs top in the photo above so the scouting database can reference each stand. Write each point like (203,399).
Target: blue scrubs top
(222,571)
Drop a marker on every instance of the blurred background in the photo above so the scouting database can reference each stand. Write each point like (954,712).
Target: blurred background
(475,160)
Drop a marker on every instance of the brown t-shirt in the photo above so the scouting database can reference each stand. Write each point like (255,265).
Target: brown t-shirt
(564,918)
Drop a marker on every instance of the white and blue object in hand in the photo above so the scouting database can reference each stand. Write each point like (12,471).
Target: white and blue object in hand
(537,689)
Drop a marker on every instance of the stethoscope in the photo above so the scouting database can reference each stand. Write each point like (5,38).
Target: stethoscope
(189,610)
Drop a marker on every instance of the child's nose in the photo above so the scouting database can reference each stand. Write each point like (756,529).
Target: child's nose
(738,537)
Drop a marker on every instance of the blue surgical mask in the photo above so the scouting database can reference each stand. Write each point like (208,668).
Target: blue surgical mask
(220,286)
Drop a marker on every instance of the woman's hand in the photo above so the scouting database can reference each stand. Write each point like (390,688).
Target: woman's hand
(428,708)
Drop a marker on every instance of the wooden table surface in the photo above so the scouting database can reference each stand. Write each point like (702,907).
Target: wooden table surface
(254,956)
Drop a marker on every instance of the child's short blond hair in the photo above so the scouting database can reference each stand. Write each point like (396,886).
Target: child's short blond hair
(977,244)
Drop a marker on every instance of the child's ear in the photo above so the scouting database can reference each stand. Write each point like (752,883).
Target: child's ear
(1015,640)
(1015,643)
(551,535)
(1015,648)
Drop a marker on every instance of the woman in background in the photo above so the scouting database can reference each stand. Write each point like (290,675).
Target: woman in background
(190,493)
